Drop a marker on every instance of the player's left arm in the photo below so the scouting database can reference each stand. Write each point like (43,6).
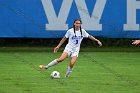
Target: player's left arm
(94,39)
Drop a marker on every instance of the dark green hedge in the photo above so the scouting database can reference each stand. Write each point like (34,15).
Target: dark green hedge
(51,42)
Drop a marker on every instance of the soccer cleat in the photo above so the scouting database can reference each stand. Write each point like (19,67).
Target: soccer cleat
(42,67)
(68,73)
(66,76)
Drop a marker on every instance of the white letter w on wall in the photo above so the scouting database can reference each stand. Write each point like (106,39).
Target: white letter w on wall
(57,22)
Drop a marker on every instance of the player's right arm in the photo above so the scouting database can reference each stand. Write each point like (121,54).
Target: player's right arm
(60,43)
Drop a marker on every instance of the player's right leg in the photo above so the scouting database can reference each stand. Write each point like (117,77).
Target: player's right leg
(42,67)
(56,61)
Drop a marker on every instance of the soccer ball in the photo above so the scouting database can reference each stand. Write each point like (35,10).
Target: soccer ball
(55,75)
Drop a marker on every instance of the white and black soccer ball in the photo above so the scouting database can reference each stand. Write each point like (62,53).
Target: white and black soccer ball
(55,75)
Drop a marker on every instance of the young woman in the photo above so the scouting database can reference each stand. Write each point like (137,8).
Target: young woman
(75,35)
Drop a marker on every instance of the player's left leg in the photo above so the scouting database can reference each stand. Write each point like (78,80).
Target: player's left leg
(72,62)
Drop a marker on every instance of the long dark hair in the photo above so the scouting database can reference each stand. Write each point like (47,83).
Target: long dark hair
(80,26)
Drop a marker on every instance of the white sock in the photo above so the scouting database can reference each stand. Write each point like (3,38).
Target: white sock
(69,70)
(54,62)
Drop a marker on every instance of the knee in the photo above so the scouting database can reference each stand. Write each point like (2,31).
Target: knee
(59,60)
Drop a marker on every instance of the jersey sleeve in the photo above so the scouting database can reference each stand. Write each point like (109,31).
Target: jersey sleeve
(85,34)
(67,34)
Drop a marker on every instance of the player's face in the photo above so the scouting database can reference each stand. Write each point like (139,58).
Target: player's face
(77,24)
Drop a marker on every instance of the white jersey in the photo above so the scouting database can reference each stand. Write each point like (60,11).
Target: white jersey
(75,39)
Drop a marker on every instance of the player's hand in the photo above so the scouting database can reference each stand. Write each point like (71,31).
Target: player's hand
(135,42)
(99,43)
(56,49)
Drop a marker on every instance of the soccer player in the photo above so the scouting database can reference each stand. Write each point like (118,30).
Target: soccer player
(136,42)
(75,35)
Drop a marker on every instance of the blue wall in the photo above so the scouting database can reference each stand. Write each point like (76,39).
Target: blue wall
(29,19)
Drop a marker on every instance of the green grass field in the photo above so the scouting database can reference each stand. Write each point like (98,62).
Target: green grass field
(94,72)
